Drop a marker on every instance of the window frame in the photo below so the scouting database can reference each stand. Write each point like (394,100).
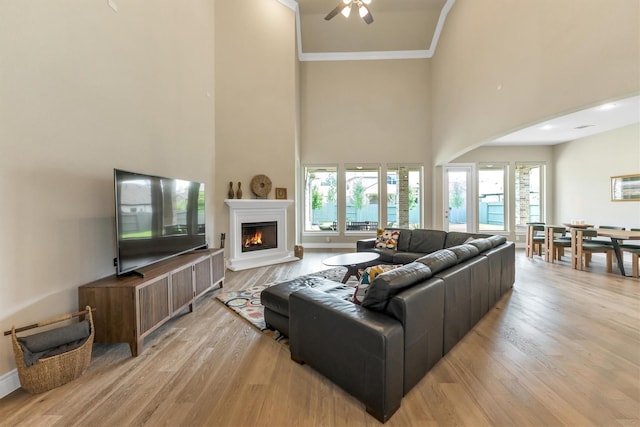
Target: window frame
(505,194)
(541,194)
(355,167)
(305,204)
(341,171)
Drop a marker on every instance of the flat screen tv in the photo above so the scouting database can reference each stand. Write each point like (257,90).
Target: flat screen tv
(156,218)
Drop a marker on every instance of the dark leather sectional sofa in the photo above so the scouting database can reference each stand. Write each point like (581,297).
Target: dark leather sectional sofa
(410,318)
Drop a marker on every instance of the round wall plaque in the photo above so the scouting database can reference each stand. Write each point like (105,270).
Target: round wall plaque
(261,185)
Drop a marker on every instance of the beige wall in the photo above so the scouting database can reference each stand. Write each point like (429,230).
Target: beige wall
(366,112)
(256,101)
(583,171)
(84,89)
(501,65)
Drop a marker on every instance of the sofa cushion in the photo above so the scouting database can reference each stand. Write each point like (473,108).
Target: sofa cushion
(482,244)
(439,260)
(388,239)
(386,255)
(406,257)
(497,240)
(464,252)
(368,276)
(389,283)
(426,241)
(456,238)
(340,291)
(404,239)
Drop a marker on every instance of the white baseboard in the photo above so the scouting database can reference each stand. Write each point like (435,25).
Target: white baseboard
(9,383)
(330,245)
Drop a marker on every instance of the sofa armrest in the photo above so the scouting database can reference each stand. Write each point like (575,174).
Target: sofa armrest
(358,349)
(364,245)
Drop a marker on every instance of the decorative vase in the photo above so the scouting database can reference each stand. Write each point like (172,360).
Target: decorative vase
(239,192)
(230,193)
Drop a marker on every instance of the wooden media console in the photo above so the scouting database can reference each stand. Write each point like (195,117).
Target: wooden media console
(128,308)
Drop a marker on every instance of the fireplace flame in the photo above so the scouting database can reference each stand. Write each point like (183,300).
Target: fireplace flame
(256,239)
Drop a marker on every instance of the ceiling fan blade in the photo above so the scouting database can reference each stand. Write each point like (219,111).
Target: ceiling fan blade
(336,11)
(368,18)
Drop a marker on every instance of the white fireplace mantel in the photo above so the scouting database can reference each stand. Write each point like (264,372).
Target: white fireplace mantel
(257,210)
(258,203)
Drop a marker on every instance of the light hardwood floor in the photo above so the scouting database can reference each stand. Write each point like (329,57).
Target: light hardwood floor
(562,348)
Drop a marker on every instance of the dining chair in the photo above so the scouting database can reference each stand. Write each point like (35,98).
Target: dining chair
(634,250)
(555,243)
(582,247)
(635,260)
(534,239)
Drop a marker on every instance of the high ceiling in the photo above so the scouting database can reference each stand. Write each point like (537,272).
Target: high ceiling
(410,29)
(401,29)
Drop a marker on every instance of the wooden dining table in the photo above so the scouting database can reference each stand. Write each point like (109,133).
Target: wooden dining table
(616,236)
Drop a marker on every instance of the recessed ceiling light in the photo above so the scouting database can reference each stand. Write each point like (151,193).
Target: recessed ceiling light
(605,107)
(546,127)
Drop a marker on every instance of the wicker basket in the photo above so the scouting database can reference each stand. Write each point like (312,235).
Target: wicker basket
(51,372)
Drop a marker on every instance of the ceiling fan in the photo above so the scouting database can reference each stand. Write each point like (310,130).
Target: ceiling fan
(345,6)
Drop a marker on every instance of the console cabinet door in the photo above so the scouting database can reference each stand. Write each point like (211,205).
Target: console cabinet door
(202,274)
(181,288)
(153,302)
(217,263)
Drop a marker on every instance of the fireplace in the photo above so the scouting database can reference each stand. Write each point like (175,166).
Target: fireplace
(259,236)
(257,233)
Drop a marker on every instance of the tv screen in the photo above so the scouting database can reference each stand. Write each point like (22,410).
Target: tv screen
(156,218)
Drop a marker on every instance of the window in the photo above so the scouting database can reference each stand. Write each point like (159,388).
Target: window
(403,196)
(529,182)
(491,197)
(361,198)
(320,198)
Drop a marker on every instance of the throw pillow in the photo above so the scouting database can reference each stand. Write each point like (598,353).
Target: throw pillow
(388,239)
(366,279)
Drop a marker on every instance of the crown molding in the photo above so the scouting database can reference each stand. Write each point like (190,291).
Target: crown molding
(365,56)
(291,4)
(368,56)
(440,25)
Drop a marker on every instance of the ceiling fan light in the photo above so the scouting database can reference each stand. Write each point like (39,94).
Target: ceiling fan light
(346,11)
(366,1)
(347,1)
(363,11)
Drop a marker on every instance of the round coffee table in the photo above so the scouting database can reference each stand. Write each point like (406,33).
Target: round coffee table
(352,261)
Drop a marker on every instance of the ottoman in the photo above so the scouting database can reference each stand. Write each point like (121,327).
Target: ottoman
(275,299)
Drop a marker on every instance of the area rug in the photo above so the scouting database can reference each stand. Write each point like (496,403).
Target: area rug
(246,302)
